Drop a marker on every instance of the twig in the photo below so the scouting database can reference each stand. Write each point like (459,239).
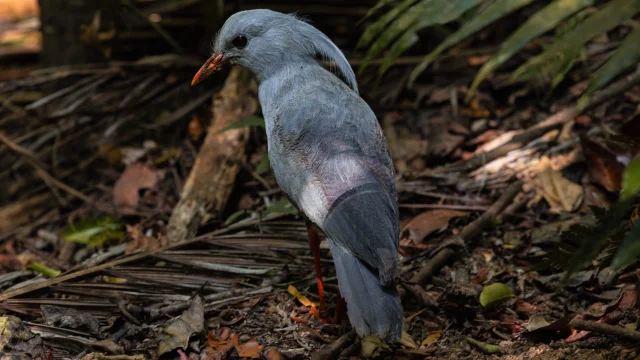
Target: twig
(332,351)
(174,44)
(541,128)
(48,178)
(445,206)
(467,234)
(603,328)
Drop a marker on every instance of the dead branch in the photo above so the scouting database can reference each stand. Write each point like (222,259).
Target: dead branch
(606,329)
(332,351)
(211,180)
(541,128)
(48,178)
(468,234)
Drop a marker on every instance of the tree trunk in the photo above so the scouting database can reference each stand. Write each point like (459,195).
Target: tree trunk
(64,22)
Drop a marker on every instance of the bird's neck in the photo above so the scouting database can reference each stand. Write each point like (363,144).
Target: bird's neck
(273,83)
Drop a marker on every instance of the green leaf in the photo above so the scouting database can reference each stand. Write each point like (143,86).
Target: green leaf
(594,240)
(629,251)
(264,165)
(542,21)
(627,55)
(611,15)
(631,180)
(233,217)
(377,27)
(44,269)
(282,206)
(249,121)
(494,294)
(493,12)
(379,5)
(439,12)
(94,232)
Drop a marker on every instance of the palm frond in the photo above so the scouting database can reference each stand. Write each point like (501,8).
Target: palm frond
(541,22)
(491,13)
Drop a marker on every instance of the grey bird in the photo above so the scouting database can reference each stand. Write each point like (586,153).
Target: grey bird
(327,152)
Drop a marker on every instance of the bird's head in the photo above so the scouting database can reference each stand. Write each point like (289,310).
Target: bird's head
(263,41)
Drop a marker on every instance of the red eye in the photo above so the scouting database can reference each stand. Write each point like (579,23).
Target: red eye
(240,41)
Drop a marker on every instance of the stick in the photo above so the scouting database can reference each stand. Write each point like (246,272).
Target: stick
(467,234)
(541,128)
(212,178)
(607,329)
(332,351)
(48,178)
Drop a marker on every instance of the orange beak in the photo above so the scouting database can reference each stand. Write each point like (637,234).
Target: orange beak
(215,63)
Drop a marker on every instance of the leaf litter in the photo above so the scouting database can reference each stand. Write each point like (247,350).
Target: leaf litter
(227,293)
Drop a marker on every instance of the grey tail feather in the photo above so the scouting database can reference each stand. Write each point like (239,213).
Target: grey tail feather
(372,308)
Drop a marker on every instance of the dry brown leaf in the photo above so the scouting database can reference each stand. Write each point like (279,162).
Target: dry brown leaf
(407,341)
(272,354)
(431,339)
(561,193)
(177,331)
(250,349)
(141,241)
(441,95)
(604,167)
(135,177)
(195,127)
(21,212)
(428,222)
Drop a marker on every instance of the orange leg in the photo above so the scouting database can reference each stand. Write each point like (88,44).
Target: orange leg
(314,244)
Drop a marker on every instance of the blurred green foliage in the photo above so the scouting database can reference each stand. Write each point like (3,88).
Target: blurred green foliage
(575,23)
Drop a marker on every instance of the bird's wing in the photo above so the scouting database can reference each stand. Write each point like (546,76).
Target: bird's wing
(362,215)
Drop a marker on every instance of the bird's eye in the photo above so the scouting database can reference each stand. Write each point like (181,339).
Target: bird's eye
(240,41)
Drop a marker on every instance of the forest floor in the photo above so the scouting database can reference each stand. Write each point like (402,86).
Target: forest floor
(139,219)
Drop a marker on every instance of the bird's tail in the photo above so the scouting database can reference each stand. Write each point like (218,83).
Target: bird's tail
(372,308)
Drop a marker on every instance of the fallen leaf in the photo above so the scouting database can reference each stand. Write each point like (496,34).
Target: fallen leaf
(525,308)
(301,298)
(176,332)
(250,349)
(426,223)
(69,318)
(372,346)
(21,212)
(477,60)
(431,339)
(17,339)
(195,127)
(135,177)
(537,322)
(603,165)
(272,354)
(407,341)
(94,231)
(43,269)
(561,193)
(495,294)
(141,241)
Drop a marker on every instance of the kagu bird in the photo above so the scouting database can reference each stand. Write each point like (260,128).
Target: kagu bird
(328,154)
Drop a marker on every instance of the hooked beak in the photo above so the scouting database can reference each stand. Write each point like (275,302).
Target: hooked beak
(215,63)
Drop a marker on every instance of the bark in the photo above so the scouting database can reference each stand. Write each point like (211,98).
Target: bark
(211,180)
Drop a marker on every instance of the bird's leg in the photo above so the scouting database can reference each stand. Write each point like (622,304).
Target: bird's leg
(314,244)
